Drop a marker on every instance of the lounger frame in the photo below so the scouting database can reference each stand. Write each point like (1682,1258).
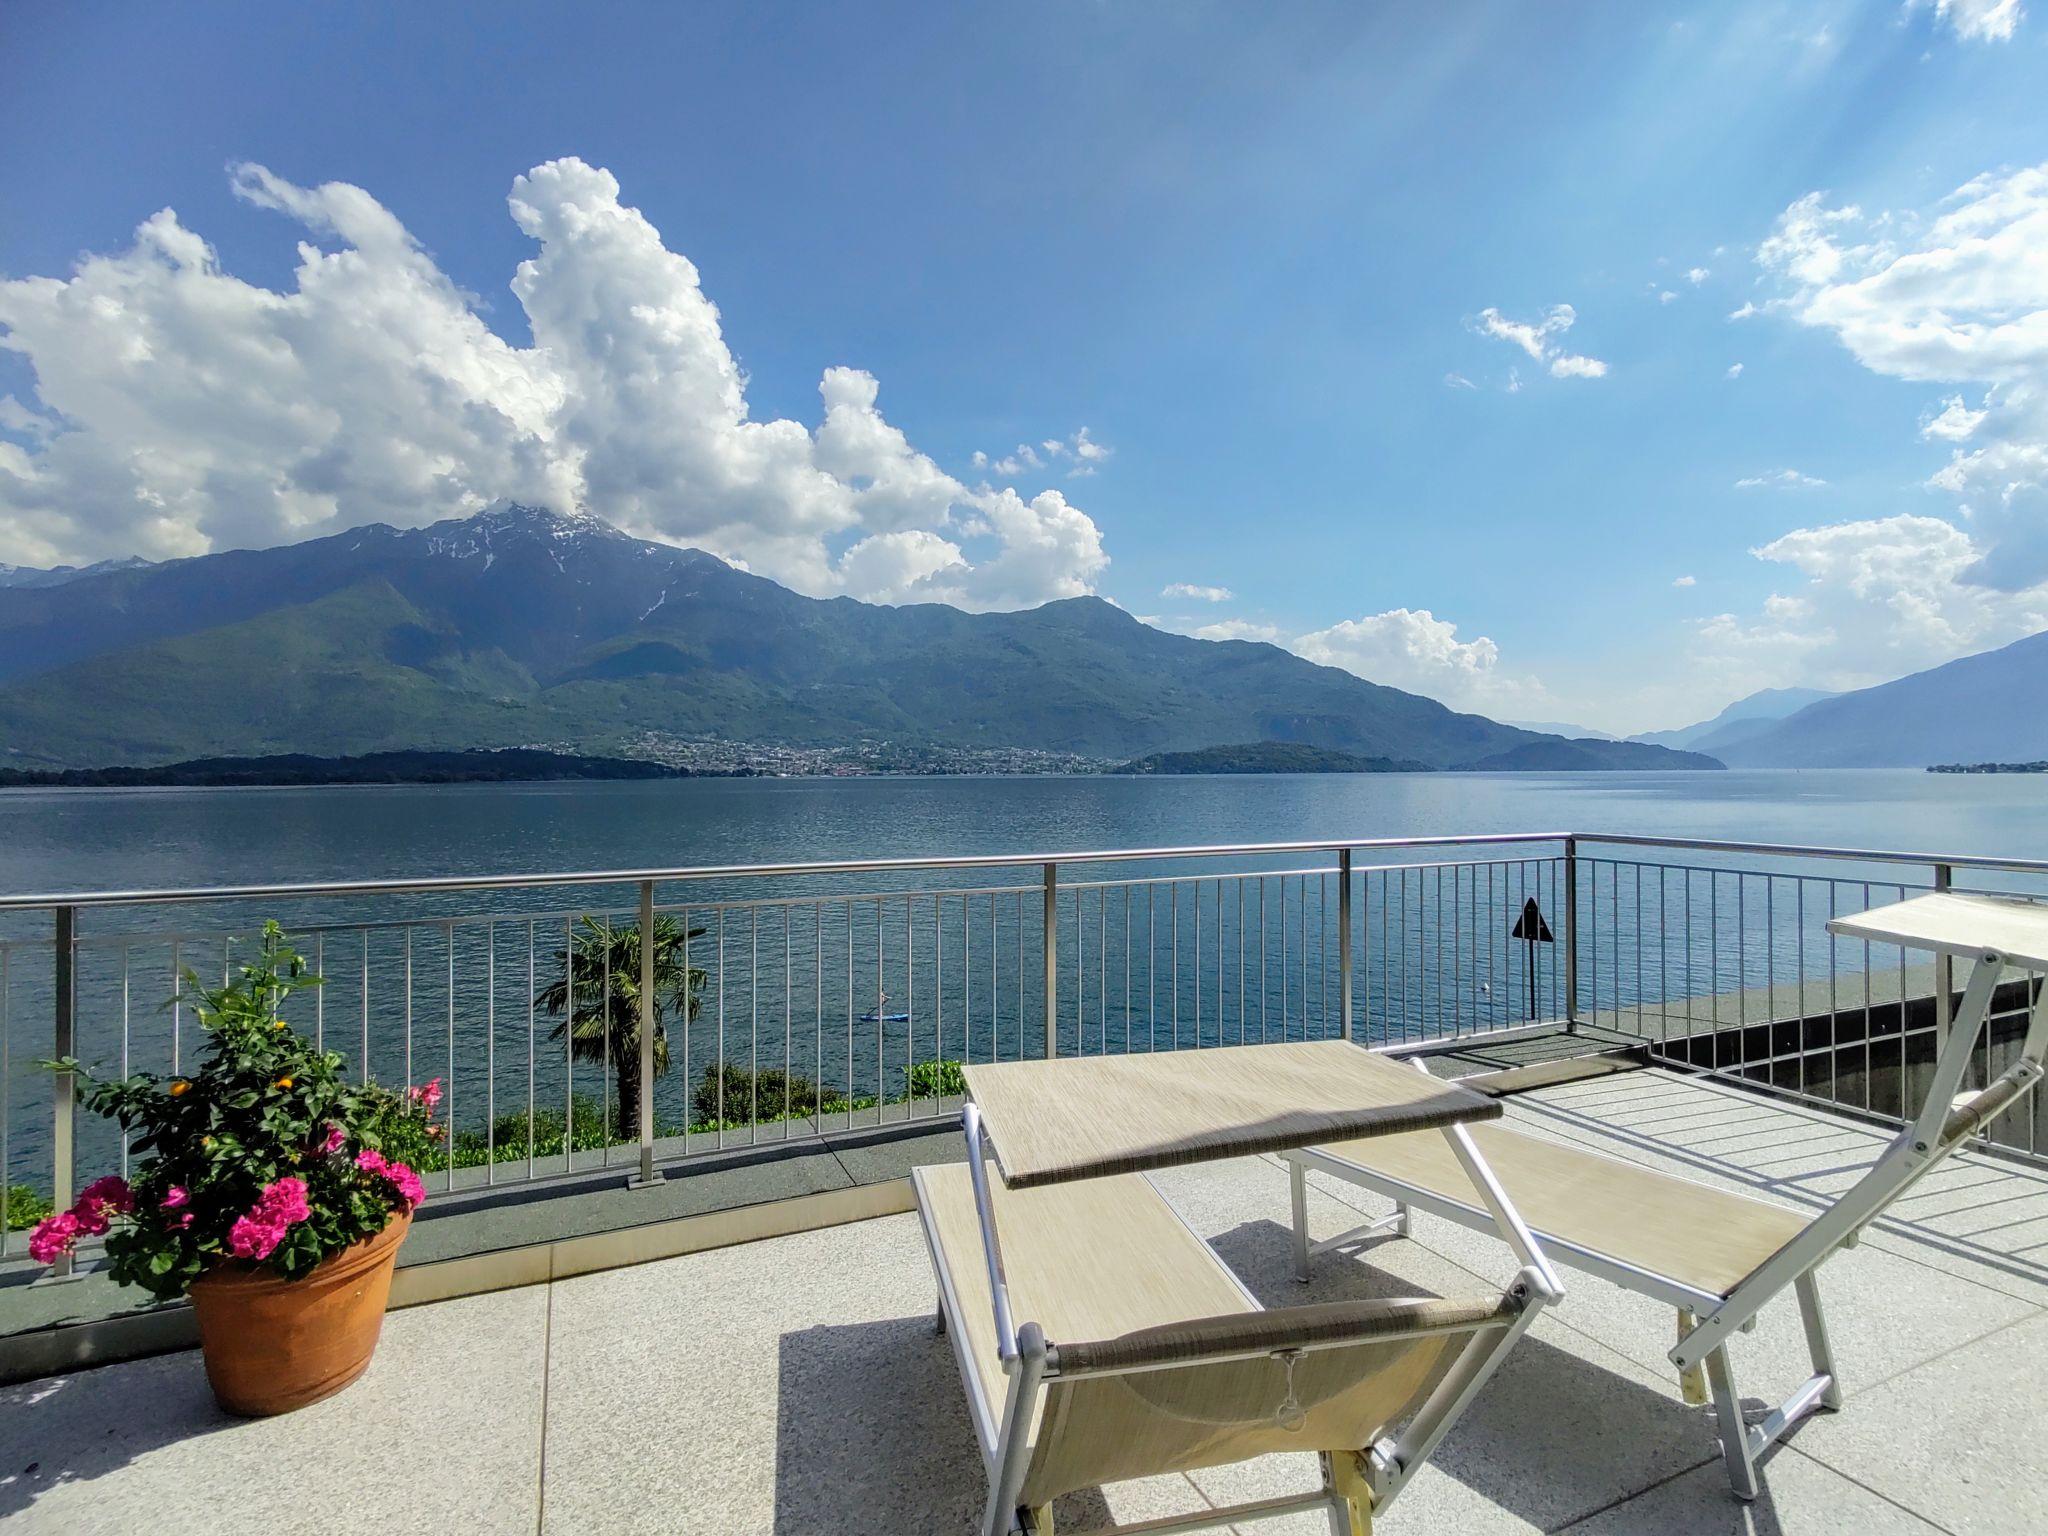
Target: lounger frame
(1707,1320)
(1355,1486)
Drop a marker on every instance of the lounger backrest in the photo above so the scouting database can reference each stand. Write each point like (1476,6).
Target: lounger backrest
(1221,1389)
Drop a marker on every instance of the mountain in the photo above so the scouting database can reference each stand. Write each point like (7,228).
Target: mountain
(1266,757)
(519,627)
(1991,707)
(1563,728)
(1739,721)
(57,575)
(1553,754)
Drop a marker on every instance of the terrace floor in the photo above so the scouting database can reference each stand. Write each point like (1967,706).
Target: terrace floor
(794,1385)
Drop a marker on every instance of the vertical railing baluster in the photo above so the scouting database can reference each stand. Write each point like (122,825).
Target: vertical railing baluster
(1571,935)
(449,1124)
(1051,876)
(754,1019)
(490,1040)
(1344,1005)
(643,1113)
(530,1006)
(363,1072)
(63,1087)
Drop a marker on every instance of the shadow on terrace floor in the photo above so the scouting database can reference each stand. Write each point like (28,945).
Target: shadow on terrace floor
(873,1432)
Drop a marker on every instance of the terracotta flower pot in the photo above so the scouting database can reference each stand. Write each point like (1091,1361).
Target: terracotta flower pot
(273,1344)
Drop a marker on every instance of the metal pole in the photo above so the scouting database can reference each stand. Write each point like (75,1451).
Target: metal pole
(1944,975)
(64,1088)
(646,1178)
(1571,935)
(1052,960)
(1344,939)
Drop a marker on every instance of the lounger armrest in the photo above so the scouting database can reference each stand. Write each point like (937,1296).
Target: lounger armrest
(1326,1325)
(1972,1112)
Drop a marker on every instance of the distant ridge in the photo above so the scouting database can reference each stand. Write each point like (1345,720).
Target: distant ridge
(1741,720)
(511,765)
(521,627)
(1267,757)
(1991,708)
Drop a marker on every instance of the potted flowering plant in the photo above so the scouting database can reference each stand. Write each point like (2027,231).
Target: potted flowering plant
(270,1189)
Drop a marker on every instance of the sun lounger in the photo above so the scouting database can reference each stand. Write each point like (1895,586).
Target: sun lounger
(1714,1256)
(1139,1352)
(1144,1355)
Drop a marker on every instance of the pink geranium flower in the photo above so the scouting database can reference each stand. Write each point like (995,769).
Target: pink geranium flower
(101,1201)
(333,1144)
(411,1191)
(428,1096)
(174,1197)
(53,1237)
(280,1207)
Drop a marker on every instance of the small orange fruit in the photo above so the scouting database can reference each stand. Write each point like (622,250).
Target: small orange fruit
(178,1088)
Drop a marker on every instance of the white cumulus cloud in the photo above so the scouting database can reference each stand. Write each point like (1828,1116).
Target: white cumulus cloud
(1980,21)
(1955,295)
(1413,649)
(1880,597)
(1237,629)
(180,409)
(1540,339)
(1685,581)
(1199,594)
(1734,371)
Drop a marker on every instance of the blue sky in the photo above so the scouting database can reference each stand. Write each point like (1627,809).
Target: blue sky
(1286,266)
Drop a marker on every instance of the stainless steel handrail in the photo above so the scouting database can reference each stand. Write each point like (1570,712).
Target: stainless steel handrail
(1809,851)
(429,884)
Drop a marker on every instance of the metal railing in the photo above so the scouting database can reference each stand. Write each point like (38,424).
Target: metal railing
(810,998)
(814,998)
(1716,955)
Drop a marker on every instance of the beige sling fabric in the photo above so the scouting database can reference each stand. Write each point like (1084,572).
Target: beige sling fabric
(1083,1261)
(1706,1238)
(1101,1429)
(1083,1117)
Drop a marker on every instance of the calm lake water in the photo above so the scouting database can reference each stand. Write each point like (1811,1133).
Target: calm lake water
(73,840)
(444,985)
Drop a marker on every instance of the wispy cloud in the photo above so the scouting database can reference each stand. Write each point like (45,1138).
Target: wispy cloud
(1198,594)
(1779,479)
(1079,455)
(1540,339)
(1734,371)
(1458,381)
(1685,581)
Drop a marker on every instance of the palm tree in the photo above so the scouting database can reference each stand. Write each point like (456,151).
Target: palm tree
(603,1022)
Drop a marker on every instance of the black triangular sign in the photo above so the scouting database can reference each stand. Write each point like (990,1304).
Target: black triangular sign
(1531,926)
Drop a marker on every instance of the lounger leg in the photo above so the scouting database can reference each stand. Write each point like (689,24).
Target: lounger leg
(1341,1475)
(1041,1521)
(1733,1430)
(1404,1220)
(1297,1189)
(1692,1384)
(939,1322)
(1818,1347)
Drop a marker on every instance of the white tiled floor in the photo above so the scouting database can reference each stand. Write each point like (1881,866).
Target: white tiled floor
(795,1386)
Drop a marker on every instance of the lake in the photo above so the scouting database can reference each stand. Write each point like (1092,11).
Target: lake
(72,840)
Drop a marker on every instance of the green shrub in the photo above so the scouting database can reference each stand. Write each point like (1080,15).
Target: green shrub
(751,1097)
(936,1080)
(24,1206)
(592,1129)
